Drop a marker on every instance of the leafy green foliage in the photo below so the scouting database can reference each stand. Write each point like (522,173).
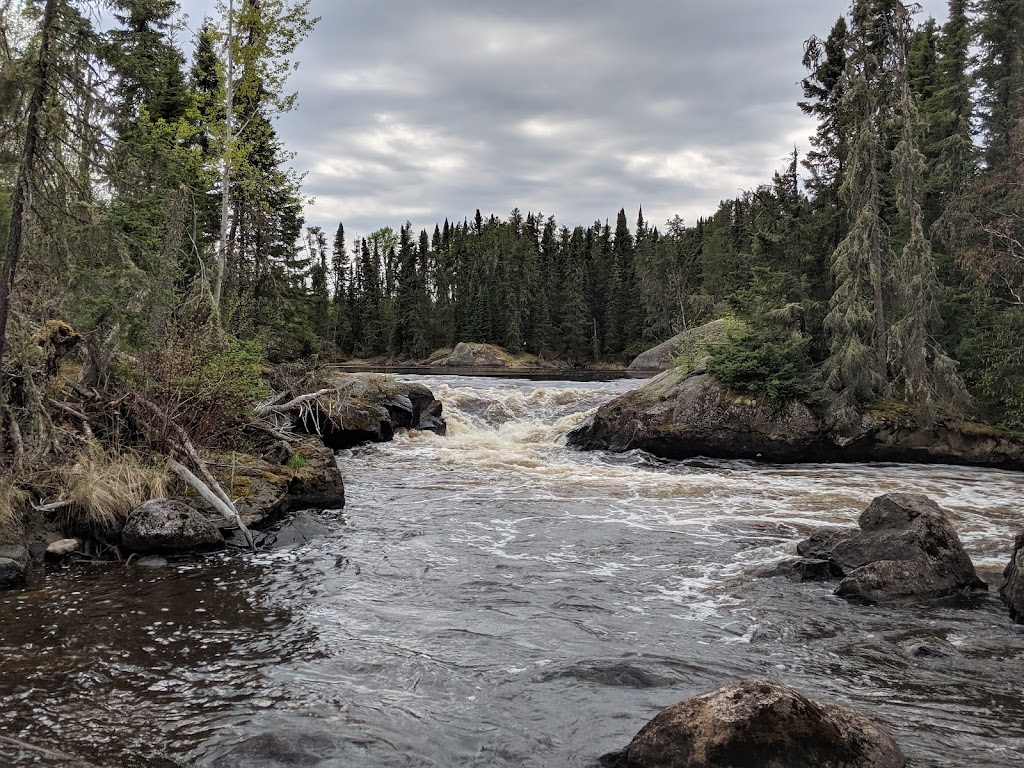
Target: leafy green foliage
(765,361)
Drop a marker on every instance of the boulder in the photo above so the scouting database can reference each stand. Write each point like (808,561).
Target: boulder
(690,345)
(1013,590)
(472,355)
(758,724)
(905,547)
(680,414)
(684,413)
(264,492)
(14,566)
(168,527)
(368,408)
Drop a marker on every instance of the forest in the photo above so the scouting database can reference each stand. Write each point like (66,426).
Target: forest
(155,242)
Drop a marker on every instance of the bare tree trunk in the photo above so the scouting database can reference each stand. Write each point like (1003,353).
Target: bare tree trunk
(26,171)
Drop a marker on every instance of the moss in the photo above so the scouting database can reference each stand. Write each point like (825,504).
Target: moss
(297,461)
(978,429)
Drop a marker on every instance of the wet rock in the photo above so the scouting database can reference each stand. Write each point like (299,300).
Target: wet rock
(797,569)
(758,724)
(685,413)
(168,527)
(368,408)
(301,529)
(906,547)
(679,415)
(1012,591)
(690,344)
(58,550)
(14,565)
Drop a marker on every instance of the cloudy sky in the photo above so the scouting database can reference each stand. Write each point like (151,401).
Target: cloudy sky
(420,110)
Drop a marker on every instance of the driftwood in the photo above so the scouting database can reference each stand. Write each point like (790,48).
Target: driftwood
(266,409)
(64,758)
(226,509)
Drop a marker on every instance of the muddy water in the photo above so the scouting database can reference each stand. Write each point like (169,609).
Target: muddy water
(493,599)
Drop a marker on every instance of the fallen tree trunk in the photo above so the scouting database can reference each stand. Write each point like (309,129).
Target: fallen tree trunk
(227,509)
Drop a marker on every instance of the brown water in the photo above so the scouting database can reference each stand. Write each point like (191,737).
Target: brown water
(493,599)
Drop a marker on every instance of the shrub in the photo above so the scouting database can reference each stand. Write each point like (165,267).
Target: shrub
(766,361)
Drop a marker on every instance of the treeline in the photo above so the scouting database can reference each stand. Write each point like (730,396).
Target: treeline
(894,269)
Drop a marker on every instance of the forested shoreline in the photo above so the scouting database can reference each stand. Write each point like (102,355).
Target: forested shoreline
(157,256)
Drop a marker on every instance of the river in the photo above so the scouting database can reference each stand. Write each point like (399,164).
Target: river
(492,598)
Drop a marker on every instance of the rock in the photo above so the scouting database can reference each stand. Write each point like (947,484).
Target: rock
(471,355)
(301,529)
(279,453)
(689,344)
(758,724)
(678,415)
(368,408)
(14,566)
(167,527)
(682,414)
(58,550)
(1012,591)
(797,569)
(906,547)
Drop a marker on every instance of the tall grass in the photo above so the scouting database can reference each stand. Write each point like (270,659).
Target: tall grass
(13,502)
(102,489)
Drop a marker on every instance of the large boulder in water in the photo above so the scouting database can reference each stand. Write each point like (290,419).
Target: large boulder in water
(691,344)
(1013,590)
(14,565)
(472,355)
(168,527)
(905,547)
(758,724)
(683,413)
(680,414)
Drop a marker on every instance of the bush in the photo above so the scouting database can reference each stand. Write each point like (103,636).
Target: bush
(767,361)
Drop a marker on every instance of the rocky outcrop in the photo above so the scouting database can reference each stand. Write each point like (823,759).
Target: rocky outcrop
(1013,590)
(678,415)
(758,724)
(690,347)
(682,414)
(905,547)
(168,527)
(365,407)
(472,355)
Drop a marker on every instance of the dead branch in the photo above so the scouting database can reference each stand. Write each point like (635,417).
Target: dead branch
(227,510)
(63,757)
(265,409)
(75,414)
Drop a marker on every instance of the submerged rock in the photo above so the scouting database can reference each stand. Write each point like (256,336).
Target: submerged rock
(167,527)
(905,547)
(758,724)
(1013,590)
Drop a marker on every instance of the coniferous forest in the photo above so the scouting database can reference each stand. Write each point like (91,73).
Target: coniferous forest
(150,220)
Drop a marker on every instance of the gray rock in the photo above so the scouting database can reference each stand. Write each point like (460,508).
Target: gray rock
(758,724)
(301,529)
(906,547)
(1012,591)
(14,566)
(689,344)
(58,550)
(167,527)
(473,355)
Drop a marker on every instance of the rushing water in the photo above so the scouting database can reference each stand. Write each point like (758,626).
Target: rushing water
(491,598)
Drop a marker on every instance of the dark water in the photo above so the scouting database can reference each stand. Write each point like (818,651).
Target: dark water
(492,599)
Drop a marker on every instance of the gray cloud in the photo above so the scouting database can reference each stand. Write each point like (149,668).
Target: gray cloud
(425,110)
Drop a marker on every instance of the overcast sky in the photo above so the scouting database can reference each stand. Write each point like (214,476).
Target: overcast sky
(420,110)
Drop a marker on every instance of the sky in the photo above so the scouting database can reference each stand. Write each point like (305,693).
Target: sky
(418,111)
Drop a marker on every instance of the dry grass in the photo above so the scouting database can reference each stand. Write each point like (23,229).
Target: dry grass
(13,503)
(102,488)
